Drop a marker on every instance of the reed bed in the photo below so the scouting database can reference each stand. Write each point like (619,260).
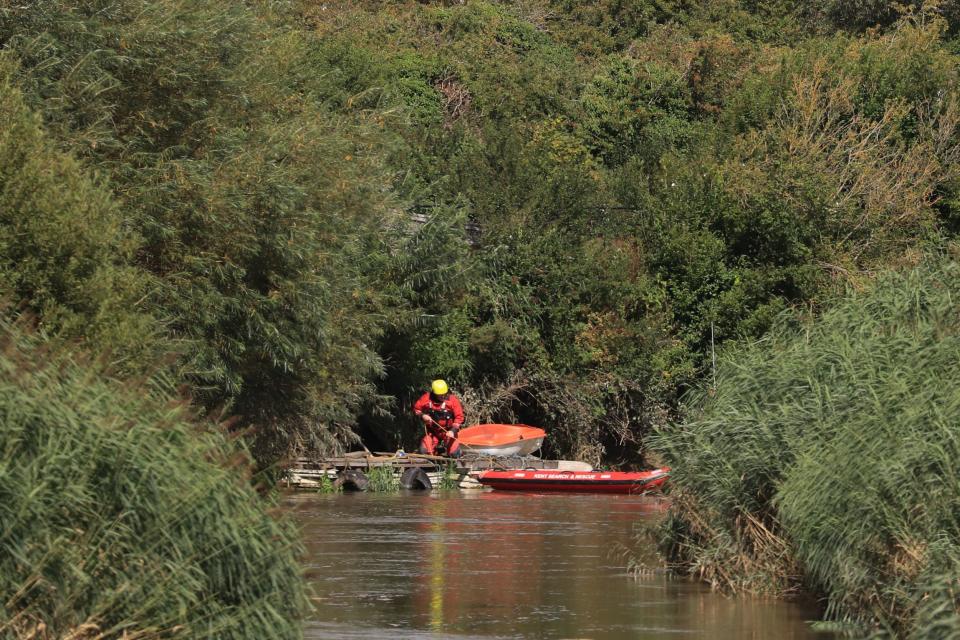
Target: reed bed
(121,517)
(828,458)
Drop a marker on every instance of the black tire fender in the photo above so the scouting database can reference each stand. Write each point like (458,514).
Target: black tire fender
(415,478)
(351,480)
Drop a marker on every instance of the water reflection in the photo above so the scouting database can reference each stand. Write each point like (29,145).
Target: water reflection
(505,565)
(438,555)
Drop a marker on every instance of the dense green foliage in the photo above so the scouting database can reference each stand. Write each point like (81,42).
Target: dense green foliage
(66,251)
(249,210)
(827,456)
(122,517)
(645,178)
(303,211)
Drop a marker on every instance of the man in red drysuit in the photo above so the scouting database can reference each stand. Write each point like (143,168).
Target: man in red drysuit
(442,417)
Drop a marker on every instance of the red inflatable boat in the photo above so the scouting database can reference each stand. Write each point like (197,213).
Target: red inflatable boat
(575,481)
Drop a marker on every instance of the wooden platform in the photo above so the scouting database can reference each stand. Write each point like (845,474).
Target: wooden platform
(309,473)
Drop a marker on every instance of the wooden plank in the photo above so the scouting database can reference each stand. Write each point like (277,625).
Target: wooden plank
(307,472)
(364,463)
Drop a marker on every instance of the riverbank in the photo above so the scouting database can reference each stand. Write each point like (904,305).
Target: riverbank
(827,459)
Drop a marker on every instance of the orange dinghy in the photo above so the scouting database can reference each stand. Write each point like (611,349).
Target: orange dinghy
(501,439)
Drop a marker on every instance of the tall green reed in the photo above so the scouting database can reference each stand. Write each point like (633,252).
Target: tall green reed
(123,517)
(828,457)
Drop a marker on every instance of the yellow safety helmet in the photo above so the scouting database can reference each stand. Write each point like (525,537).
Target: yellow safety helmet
(439,388)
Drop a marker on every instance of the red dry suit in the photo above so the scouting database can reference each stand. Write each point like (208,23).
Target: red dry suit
(447,414)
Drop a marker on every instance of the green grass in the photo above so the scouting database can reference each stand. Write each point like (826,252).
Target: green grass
(450,477)
(828,458)
(327,486)
(383,479)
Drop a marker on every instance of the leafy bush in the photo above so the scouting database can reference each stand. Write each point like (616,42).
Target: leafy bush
(648,178)
(857,15)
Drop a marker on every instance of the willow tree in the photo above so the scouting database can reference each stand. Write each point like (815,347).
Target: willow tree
(259,212)
(66,249)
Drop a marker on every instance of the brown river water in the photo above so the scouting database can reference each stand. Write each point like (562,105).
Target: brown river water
(489,564)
